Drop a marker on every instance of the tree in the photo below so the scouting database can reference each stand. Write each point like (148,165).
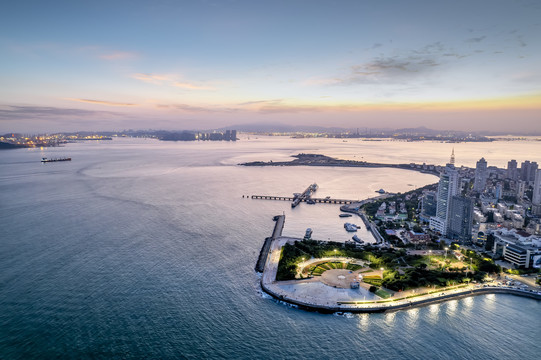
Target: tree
(489,267)
(373,289)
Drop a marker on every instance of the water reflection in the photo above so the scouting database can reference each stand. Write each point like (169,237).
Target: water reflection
(364,322)
(433,312)
(413,315)
(489,301)
(468,302)
(389,318)
(451,306)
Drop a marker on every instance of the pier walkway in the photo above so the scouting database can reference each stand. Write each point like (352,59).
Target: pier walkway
(317,200)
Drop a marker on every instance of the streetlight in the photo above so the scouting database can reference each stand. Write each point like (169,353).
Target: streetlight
(334,252)
(381,273)
(446,252)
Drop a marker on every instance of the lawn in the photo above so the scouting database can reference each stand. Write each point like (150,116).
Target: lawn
(382,294)
(321,268)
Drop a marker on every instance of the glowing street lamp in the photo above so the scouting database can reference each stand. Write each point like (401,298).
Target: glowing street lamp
(446,252)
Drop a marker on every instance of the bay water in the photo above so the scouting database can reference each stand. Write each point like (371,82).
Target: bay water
(145,249)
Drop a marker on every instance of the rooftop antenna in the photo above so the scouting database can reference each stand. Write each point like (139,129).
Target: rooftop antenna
(452,161)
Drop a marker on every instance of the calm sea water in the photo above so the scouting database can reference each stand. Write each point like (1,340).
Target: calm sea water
(145,249)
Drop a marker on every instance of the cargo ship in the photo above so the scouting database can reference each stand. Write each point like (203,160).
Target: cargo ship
(46,160)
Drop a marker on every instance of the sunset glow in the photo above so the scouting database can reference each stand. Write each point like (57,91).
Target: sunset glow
(185,65)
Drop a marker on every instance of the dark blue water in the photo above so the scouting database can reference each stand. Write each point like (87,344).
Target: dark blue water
(141,249)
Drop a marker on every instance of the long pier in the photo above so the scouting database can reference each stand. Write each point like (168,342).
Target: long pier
(317,200)
(264,253)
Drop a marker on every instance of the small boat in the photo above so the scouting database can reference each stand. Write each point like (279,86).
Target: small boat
(345,215)
(381,191)
(357,239)
(350,227)
(46,160)
(310,201)
(308,234)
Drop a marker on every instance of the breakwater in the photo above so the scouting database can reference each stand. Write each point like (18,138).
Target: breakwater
(264,253)
(389,306)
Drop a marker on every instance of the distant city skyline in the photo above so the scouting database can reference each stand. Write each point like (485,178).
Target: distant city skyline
(463,65)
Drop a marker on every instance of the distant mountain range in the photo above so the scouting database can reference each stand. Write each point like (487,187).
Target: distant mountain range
(284,128)
(422,130)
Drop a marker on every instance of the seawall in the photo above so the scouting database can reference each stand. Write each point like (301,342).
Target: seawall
(264,253)
(388,306)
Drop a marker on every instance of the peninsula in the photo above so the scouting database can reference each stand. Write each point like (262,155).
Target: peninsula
(332,277)
(323,160)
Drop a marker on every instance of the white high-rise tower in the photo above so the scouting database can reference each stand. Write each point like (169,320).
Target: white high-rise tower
(536,197)
(447,188)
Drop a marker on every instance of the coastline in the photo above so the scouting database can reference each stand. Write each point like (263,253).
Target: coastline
(269,286)
(272,287)
(404,305)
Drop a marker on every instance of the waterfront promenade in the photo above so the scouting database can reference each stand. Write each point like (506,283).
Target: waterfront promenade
(313,294)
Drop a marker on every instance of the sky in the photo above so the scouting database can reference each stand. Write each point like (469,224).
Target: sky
(110,65)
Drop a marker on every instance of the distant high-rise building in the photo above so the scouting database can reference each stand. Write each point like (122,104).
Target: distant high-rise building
(536,197)
(429,205)
(460,220)
(481,175)
(234,135)
(512,170)
(527,170)
(521,188)
(498,191)
(447,188)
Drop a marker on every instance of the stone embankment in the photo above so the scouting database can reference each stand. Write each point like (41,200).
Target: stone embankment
(264,253)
